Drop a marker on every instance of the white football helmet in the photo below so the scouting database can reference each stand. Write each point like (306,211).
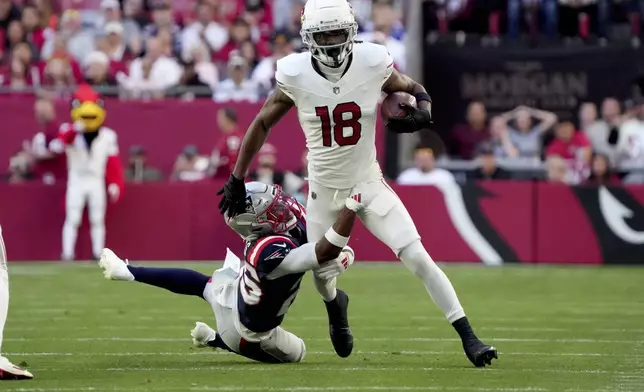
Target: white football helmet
(329,28)
(268,211)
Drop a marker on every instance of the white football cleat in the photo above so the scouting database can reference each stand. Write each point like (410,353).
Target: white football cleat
(113,267)
(9,371)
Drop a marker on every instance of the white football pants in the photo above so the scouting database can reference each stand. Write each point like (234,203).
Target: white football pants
(79,193)
(4,288)
(386,217)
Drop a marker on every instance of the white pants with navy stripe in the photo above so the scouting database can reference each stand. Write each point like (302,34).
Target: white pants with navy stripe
(278,345)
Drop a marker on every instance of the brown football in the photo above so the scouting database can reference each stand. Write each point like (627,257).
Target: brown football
(390,107)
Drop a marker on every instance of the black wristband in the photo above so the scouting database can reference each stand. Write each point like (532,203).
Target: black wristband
(423,97)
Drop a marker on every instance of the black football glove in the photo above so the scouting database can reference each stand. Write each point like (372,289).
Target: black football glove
(234,200)
(415,120)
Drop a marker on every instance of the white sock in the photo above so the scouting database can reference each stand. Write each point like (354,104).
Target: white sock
(326,288)
(4,301)
(416,258)
(70,231)
(97,233)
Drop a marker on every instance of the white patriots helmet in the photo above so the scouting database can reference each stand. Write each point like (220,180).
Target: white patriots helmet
(268,211)
(324,16)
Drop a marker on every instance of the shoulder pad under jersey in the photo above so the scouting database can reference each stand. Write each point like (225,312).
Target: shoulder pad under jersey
(292,65)
(373,55)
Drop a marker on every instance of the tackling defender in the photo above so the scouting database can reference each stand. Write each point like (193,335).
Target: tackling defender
(335,87)
(250,303)
(8,371)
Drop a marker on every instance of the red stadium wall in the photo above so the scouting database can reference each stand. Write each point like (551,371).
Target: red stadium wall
(501,221)
(162,127)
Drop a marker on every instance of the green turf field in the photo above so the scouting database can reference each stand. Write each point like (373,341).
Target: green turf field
(558,329)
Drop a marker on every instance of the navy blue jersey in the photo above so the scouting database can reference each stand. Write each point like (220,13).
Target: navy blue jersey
(262,303)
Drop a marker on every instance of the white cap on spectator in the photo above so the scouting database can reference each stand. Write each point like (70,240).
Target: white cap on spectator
(236,61)
(96,57)
(114,28)
(109,4)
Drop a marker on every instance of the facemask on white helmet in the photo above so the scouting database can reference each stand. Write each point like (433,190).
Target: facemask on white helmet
(268,211)
(329,28)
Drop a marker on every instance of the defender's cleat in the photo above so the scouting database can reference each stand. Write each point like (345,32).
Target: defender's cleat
(339,330)
(9,371)
(113,267)
(480,354)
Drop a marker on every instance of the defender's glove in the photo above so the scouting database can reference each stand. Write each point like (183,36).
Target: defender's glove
(202,334)
(234,200)
(337,266)
(415,120)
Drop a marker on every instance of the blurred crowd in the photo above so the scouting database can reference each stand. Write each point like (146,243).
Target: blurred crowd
(226,49)
(606,146)
(604,19)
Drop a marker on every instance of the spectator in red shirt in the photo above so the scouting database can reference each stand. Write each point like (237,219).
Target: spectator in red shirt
(239,33)
(50,164)
(225,154)
(60,52)
(15,35)
(18,76)
(569,144)
(228,10)
(116,48)
(32,23)
(574,148)
(58,73)
(20,72)
(600,171)
(466,137)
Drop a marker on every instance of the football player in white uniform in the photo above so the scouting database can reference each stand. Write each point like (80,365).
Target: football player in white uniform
(335,87)
(8,371)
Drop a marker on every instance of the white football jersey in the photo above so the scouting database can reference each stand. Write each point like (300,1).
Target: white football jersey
(85,162)
(339,119)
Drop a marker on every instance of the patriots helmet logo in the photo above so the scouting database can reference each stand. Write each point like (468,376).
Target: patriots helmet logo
(249,205)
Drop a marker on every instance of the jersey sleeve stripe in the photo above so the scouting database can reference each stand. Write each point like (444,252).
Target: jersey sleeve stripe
(259,247)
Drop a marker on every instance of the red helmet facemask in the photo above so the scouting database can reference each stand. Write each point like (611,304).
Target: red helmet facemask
(279,214)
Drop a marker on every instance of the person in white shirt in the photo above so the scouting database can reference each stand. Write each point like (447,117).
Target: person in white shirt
(79,42)
(425,171)
(111,13)
(264,73)
(205,29)
(630,147)
(237,87)
(115,44)
(152,73)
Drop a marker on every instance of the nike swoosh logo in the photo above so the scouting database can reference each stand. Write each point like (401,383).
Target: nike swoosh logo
(281,245)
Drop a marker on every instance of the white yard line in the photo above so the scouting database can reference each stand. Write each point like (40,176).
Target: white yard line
(489,339)
(288,389)
(307,369)
(403,353)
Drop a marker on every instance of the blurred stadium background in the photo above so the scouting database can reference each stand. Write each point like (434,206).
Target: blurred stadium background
(537,156)
(529,95)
